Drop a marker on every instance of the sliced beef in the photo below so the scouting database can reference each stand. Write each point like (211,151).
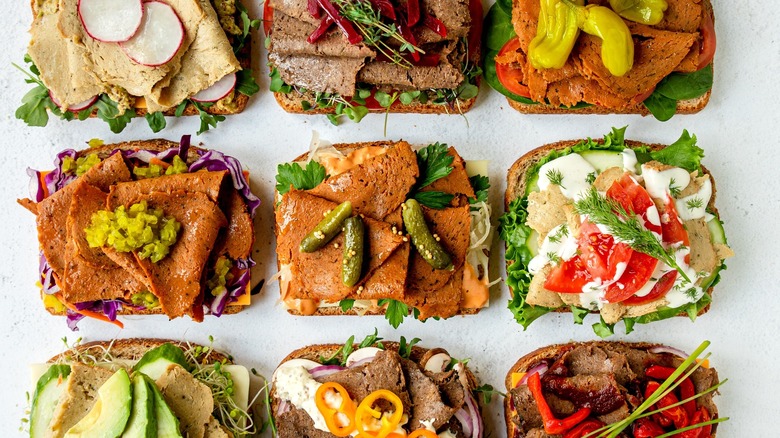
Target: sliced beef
(384,372)
(427,400)
(296,423)
(175,280)
(209,183)
(189,399)
(453,13)
(324,74)
(376,187)
(295,8)
(441,302)
(89,274)
(528,416)
(389,280)
(450,387)
(237,238)
(600,392)
(592,360)
(447,74)
(53,211)
(317,275)
(289,37)
(457,182)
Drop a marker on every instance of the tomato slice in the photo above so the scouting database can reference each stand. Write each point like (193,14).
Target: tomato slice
(638,272)
(634,197)
(569,277)
(511,78)
(268,17)
(661,288)
(673,229)
(708,40)
(600,253)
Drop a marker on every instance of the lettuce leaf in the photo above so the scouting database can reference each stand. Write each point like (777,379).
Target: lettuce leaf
(682,153)
(662,104)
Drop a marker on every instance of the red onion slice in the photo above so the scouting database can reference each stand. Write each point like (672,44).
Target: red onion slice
(283,407)
(324,370)
(541,369)
(664,349)
(360,362)
(465,421)
(476,419)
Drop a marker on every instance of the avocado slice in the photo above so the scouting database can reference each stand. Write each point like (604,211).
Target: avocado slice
(45,399)
(157,360)
(108,417)
(167,423)
(143,419)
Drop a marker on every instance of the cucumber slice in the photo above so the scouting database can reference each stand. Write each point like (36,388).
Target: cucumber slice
(603,160)
(717,234)
(167,423)
(45,399)
(157,360)
(143,418)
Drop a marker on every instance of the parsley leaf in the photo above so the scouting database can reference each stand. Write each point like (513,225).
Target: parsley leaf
(292,174)
(347,304)
(247,25)
(246,84)
(370,340)
(434,163)
(156,121)
(342,352)
(108,111)
(396,311)
(579,314)
(481,186)
(434,199)
(487,392)
(207,121)
(34,104)
(405,348)
(277,85)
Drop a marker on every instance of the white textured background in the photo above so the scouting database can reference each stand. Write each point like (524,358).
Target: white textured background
(738,130)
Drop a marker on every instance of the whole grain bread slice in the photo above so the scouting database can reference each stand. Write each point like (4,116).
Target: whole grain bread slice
(529,360)
(132,349)
(517,175)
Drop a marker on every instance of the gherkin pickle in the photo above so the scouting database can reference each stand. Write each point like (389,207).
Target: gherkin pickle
(354,236)
(327,228)
(425,243)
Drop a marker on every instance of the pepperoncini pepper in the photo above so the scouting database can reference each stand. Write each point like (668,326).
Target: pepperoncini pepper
(366,415)
(334,417)
(556,34)
(641,11)
(617,45)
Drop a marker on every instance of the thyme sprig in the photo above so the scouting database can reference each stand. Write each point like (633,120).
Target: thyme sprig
(626,227)
(375,31)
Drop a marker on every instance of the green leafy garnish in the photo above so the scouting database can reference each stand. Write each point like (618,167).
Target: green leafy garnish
(487,392)
(277,85)
(346,304)
(156,121)
(434,163)
(405,348)
(563,231)
(434,199)
(292,174)
(341,355)
(247,24)
(675,87)
(591,178)
(674,189)
(555,177)
(395,312)
(245,83)
(695,203)
(579,314)
(207,121)
(481,186)
(682,153)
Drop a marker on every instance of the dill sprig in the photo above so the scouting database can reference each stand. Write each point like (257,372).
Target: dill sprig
(626,227)
(562,232)
(695,203)
(674,189)
(556,177)
(375,31)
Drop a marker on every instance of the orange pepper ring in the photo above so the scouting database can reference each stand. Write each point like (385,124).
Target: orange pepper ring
(365,409)
(423,433)
(346,408)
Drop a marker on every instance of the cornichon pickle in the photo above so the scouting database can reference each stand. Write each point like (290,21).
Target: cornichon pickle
(352,266)
(423,240)
(327,228)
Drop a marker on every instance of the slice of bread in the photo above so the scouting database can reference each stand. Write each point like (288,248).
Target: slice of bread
(517,183)
(346,148)
(133,349)
(524,363)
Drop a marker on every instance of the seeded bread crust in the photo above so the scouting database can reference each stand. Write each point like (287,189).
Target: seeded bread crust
(154,145)
(551,351)
(240,100)
(516,187)
(314,352)
(690,106)
(346,148)
(134,348)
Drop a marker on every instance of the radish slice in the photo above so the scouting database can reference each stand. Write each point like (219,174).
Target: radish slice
(219,90)
(159,37)
(111,21)
(74,108)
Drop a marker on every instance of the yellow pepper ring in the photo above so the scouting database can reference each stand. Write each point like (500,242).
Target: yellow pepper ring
(365,411)
(331,415)
(423,433)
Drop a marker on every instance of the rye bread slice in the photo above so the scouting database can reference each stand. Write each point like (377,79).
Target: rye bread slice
(133,348)
(517,179)
(552,351)
(346,148)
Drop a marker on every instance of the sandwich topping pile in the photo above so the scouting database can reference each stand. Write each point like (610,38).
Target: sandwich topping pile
(348,57)
(141,388)
(416,232)
(143,227)
(622,56)
(375,389)
(606,389)
(111,58)
(614,227)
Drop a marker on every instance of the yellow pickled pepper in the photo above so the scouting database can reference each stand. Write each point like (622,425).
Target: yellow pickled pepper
(556,34)
(641,11)
(617,45)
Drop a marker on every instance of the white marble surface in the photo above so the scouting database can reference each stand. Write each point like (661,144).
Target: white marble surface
(739,131)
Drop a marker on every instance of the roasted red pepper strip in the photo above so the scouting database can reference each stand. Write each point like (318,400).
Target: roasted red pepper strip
(584,428)
(406,33)
(346,27)
(314,9)
(435,25)
(552,425)
(675,413)
(686,386)
(701,416)
(646,428)
(384,7)
(412,12)
(321,30)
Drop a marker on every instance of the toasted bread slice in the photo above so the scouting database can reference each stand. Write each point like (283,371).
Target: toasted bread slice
(133,349)
(551,352)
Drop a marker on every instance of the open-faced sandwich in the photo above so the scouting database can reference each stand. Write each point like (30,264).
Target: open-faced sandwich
(375,389)
(612,226)
(599,56)
(117,59)
(350,57)
(416,231)
(141,388)
(611,389)
(143,227)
